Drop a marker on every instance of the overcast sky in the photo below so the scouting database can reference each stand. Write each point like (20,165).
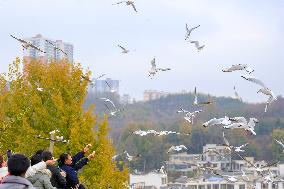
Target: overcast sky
(233,31)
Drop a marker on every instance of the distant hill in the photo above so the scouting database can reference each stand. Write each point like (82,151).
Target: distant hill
(161,115)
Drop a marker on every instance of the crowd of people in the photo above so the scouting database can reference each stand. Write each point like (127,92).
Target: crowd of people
(42,171)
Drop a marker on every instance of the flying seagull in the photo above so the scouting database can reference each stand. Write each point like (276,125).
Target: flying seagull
(127,3)
(188,31)
(195,102)
(154,70)
(238,67)
(220,121)
(110,88)
(124,50)
(269,93)
(190,115)
(56,48)
(239,148)
(198,47)
(26,44)
(108,100)
(130,158)
(177,148)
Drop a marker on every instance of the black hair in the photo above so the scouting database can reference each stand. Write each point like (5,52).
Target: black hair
(35,159)
(46,155)
(62,158)
(39,152)
(18,164)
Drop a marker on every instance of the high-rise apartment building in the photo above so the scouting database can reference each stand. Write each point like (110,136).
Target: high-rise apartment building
(46,46)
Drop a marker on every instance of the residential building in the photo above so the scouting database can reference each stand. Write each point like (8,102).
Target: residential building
(153,95)
(51,52)
(152,180)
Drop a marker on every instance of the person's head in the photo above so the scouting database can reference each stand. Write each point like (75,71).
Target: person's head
(39,152)
(65,158)
(46,155)
(2,162)
(35,159)
(18,164)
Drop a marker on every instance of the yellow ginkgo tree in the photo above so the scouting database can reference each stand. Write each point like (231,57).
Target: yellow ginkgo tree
(42,97)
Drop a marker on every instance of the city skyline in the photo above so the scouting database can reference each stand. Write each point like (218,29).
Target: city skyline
(233,32)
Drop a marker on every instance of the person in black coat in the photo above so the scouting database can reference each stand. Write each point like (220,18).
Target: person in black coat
(57,179)
(71,165)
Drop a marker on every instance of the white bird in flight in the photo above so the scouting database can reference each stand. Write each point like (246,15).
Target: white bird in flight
(238,67)
(154,69)
(239,148)
(124,50)
(188,31)
(127,3)
(220,121)
(26,44)
(177,148)
(112,90)
(190,115)
(108,100)
(197,45)
(269,93)
(196,102)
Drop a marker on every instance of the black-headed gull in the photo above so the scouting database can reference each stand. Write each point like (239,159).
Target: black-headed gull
(131,158)
(198,47)
(238,67)
(270,95)
(108,100)
(190,115)
(153,71)
(254,80)
(196,102)
(215,121)
(244,175)
(177,148)
(127,3)
(124,50)
(56,48)
(26,44)
(239,148)
(188,31)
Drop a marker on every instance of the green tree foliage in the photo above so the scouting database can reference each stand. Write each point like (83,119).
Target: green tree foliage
(49,96)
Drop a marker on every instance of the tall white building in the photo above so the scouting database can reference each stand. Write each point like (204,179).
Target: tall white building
(51,52)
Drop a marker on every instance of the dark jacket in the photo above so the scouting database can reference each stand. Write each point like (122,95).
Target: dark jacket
(57,180)
(71,170)
(15,182)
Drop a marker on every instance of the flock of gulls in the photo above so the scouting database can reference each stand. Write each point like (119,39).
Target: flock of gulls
(189,116)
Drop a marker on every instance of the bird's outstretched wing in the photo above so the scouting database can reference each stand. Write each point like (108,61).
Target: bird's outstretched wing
(196,43)
(254,80)
(37,48)
(20,40)
(122,47)
(153,63)
(132,4)
(118,2)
